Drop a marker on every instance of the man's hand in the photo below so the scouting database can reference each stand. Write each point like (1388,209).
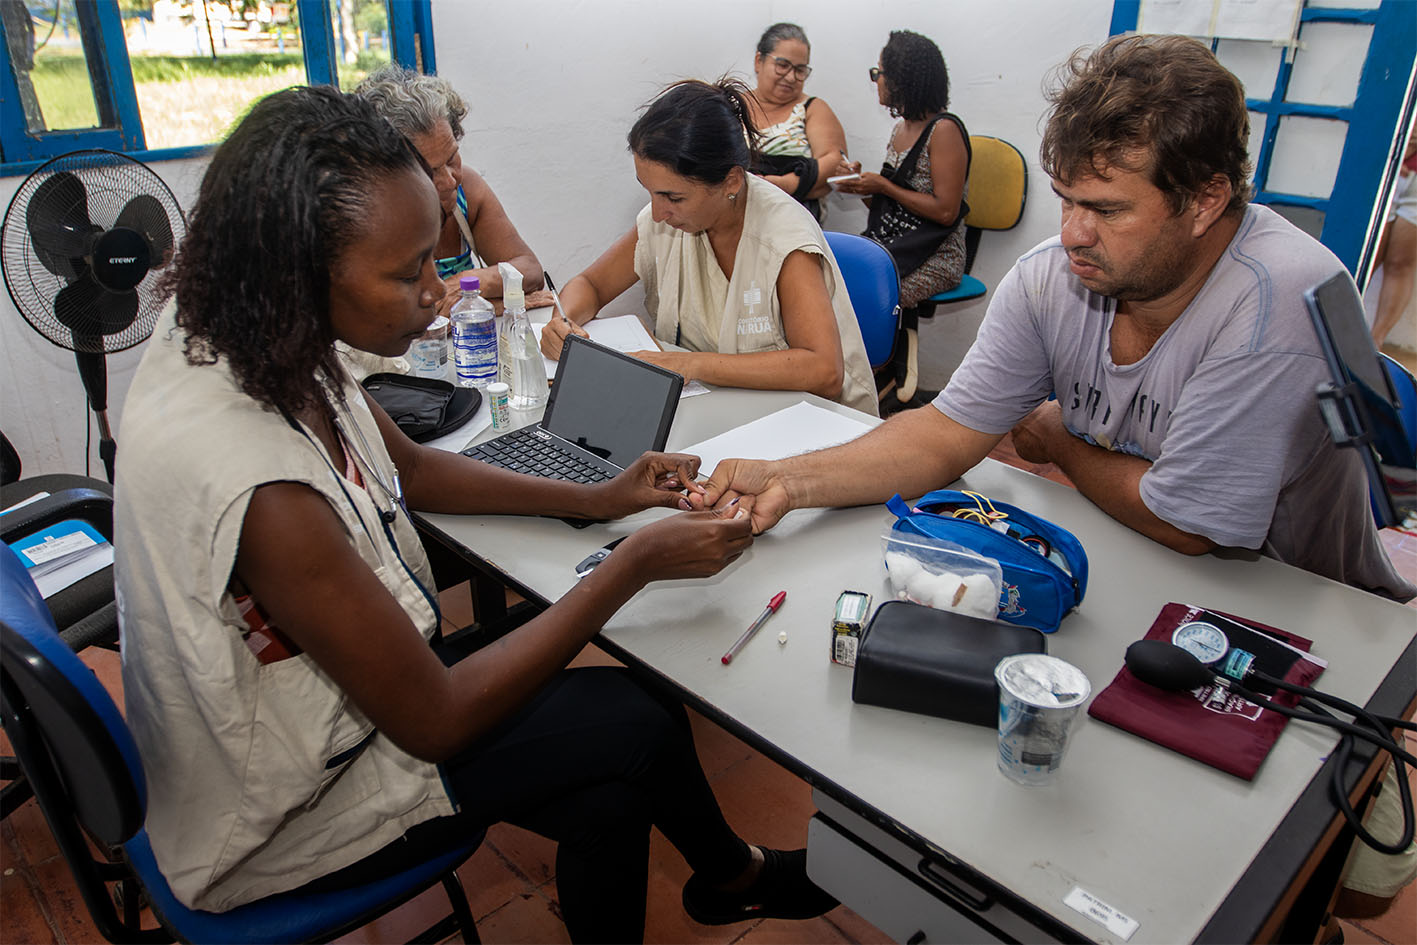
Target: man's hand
(1036,435)
(738,478)
(653,480)
(553,336)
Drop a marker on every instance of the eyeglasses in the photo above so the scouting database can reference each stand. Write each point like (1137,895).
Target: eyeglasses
(876,73)
(783,66)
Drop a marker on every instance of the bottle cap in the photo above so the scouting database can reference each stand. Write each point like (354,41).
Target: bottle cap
(497,387)
(513,300)
(468,283)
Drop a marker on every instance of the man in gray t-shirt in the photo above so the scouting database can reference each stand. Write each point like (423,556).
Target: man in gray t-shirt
(1168,318)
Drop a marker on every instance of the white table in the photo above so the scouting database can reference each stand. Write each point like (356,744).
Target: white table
(913,806)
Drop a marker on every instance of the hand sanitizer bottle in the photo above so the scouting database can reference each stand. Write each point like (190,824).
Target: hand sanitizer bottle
(522,355)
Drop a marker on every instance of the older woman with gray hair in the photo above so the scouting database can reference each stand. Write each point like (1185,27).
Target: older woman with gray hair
(477,234)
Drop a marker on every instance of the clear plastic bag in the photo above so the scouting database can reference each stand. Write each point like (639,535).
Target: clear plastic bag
(942,574)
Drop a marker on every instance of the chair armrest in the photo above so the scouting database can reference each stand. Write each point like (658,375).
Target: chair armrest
(91,505)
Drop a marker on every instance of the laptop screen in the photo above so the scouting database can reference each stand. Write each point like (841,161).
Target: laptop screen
(609,403)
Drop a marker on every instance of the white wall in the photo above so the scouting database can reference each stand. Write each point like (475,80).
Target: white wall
(554,86)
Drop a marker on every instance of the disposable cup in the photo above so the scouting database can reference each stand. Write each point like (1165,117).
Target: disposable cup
(1039,698)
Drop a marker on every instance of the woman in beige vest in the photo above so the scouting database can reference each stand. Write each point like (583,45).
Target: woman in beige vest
(295,725)
(735,271)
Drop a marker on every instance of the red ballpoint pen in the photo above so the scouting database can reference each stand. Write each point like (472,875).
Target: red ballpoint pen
(771,609)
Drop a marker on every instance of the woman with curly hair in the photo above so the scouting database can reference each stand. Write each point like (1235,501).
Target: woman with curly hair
(918,199)
(296,727)
(476,234)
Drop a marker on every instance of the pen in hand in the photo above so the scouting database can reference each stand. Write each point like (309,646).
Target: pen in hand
(554,296)
(756,625)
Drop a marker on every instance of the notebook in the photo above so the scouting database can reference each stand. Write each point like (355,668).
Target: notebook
(605,409)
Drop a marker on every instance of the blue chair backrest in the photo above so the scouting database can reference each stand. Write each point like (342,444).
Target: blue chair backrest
(1406,387)
(874,288)
(89,742)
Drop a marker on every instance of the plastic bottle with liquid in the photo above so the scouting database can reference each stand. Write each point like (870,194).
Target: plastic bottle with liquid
(523,368)
(428,354)
(474,333)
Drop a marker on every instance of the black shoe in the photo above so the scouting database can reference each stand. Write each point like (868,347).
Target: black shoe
(781,891)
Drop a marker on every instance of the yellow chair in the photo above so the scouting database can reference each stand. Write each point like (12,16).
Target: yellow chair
(998,187)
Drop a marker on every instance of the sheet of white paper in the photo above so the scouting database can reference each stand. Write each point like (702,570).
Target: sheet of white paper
(800,428)
(1271,20)
(455,442)
(623,333)
(95,559)
(24,502)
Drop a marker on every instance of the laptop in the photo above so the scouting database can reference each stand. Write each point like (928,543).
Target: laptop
(604,410)
(1361,406)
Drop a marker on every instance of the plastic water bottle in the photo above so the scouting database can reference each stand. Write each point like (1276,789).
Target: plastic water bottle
(474,336)
(522,355)
(429,352)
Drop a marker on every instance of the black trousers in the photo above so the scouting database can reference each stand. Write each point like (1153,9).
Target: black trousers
(592,762)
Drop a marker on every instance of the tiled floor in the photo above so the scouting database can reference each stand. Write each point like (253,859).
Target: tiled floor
(510,880)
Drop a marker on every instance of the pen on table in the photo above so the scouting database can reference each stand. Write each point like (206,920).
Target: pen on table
(756,625)
(554,296)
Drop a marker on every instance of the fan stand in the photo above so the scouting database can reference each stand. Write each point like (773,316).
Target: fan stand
(93,370)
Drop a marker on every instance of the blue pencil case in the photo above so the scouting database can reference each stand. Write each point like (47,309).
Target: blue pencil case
(1044,565)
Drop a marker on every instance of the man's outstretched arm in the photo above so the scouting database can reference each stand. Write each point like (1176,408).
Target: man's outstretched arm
(911,453)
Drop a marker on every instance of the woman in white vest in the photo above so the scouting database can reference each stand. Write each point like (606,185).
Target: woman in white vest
(296,728)
(735,271)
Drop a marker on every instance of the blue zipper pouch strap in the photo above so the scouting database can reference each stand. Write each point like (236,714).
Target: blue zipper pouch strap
(1044,565)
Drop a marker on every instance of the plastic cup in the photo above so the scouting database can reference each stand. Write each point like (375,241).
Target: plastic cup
(1039,698)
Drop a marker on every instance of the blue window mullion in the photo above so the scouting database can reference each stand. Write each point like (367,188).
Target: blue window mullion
(318,39)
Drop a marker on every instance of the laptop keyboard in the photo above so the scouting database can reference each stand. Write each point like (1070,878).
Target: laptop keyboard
(524,451)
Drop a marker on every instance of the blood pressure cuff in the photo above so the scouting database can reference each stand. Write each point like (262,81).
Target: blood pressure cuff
(936,662)
(423,408)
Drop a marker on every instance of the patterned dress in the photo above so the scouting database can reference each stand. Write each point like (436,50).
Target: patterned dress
(788,138)
(943,270)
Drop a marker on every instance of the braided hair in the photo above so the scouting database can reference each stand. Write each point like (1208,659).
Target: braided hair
(284,196)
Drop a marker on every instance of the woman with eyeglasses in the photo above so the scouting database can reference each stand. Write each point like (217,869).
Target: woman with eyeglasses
(918,199)
(801,136)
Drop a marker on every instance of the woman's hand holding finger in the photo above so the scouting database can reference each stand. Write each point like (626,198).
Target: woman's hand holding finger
(692,544)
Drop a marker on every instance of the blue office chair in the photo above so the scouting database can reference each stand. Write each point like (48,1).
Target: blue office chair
(874,289)
(1406,387)
(76,751)
(998,189)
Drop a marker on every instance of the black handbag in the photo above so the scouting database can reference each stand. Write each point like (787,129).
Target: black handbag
(936,662)
(423,408)
(805,168)
(911,239)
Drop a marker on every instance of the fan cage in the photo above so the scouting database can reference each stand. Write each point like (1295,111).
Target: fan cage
(110,180)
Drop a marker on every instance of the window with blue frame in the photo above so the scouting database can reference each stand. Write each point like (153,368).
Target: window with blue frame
(163,79)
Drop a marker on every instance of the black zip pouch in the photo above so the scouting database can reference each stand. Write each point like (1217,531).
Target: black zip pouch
(423,408)
(936,662)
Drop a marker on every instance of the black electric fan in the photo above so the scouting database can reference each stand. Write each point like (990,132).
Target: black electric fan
(84,239)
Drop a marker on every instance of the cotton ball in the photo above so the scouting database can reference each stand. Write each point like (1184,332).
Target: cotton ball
(948,590)
(921,587)
(902,568)
(981,597)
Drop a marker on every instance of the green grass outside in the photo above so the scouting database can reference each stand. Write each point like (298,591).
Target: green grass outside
(62,82)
